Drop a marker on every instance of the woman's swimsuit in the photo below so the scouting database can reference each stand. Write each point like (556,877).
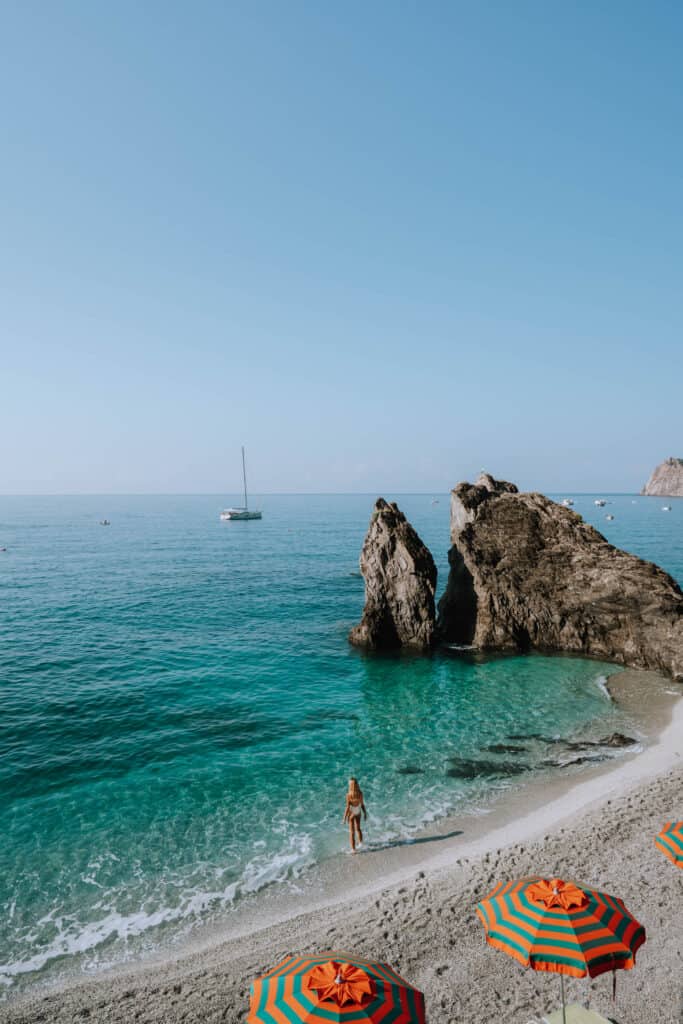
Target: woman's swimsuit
(354,810)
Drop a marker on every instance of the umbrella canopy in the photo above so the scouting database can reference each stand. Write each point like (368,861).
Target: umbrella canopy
(334,987)
(670,842)
(553,925)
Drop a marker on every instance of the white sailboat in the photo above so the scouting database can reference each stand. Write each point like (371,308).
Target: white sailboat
(243,512)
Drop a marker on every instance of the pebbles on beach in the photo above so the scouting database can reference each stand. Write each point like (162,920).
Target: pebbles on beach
(427,929)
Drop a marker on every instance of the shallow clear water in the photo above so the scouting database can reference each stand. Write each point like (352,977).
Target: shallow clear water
(179,709)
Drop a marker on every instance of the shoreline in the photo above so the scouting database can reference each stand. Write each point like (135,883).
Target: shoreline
(444,853)
(534,803)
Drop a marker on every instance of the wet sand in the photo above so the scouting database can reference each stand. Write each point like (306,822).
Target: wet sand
(414,906)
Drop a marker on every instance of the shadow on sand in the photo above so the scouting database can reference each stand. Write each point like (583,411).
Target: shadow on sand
(393,843)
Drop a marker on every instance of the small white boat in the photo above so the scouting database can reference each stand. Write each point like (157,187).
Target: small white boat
(243,511)
(105,522)
(610,518)
(435,501)
(240,513)
(600,502)
(567,502)
(666,508)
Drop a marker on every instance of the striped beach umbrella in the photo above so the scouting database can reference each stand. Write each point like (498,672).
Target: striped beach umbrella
(333,987)
(670,842)
(558,926)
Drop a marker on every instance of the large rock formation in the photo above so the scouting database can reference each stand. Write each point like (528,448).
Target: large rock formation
(400,581)
(666,480)
(528,573)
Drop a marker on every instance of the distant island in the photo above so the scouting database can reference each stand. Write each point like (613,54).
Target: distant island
(666,480)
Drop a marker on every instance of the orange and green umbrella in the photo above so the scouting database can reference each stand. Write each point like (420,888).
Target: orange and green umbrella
(334,987)
(557,926)
(670,842)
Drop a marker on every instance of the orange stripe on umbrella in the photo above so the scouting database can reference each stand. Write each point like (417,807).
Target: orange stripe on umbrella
(558,926)
(670,842)
(333,987)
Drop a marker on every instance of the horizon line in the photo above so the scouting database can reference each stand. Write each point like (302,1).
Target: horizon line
(285,494)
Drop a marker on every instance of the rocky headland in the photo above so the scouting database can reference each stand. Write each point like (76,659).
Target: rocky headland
(666,480)
(400,583)
(525,573)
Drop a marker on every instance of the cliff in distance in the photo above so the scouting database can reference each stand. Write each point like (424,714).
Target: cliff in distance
(666,480)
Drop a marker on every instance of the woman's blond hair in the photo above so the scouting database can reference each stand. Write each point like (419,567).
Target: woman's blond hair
(355,794)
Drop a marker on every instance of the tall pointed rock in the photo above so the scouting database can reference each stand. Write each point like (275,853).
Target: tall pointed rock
(400,581)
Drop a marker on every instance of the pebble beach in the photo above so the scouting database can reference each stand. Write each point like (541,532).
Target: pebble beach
(599,830)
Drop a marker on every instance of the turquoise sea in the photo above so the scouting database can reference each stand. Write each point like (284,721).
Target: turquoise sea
(180,710)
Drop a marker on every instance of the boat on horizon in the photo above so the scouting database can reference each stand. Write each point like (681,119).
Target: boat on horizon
(241,512)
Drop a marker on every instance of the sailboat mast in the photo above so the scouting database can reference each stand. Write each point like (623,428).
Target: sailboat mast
(244,477)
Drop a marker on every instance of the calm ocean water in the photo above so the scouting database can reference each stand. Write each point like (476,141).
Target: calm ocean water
(179,709)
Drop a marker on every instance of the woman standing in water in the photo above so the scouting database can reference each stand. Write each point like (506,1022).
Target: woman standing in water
(354,806)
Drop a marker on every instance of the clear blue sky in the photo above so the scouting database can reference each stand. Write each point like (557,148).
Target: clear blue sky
(383,245)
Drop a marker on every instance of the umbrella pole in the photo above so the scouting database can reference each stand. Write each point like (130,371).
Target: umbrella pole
(564,1012)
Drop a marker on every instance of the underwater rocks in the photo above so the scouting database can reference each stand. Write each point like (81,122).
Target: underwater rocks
(565,754)
(505,748)
(400,581)
(666,480)
(526,573)
(473,768)
(617,739)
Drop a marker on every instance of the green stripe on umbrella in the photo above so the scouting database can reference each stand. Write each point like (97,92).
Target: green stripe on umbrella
(557,926)
(331,988)
(670,842)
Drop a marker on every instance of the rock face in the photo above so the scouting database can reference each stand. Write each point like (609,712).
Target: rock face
(528,573)
(666,480)
(400,581)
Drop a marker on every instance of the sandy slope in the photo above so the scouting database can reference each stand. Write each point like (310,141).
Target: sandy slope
(427,929)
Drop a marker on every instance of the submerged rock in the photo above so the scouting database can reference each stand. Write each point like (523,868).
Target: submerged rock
(504,748)
(617,739)
(534,736)
(527,573)
(572,761)
(666,480)
(466,768)
(400,581)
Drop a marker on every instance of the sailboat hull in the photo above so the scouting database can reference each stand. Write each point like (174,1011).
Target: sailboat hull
(239,513)
(243,511)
